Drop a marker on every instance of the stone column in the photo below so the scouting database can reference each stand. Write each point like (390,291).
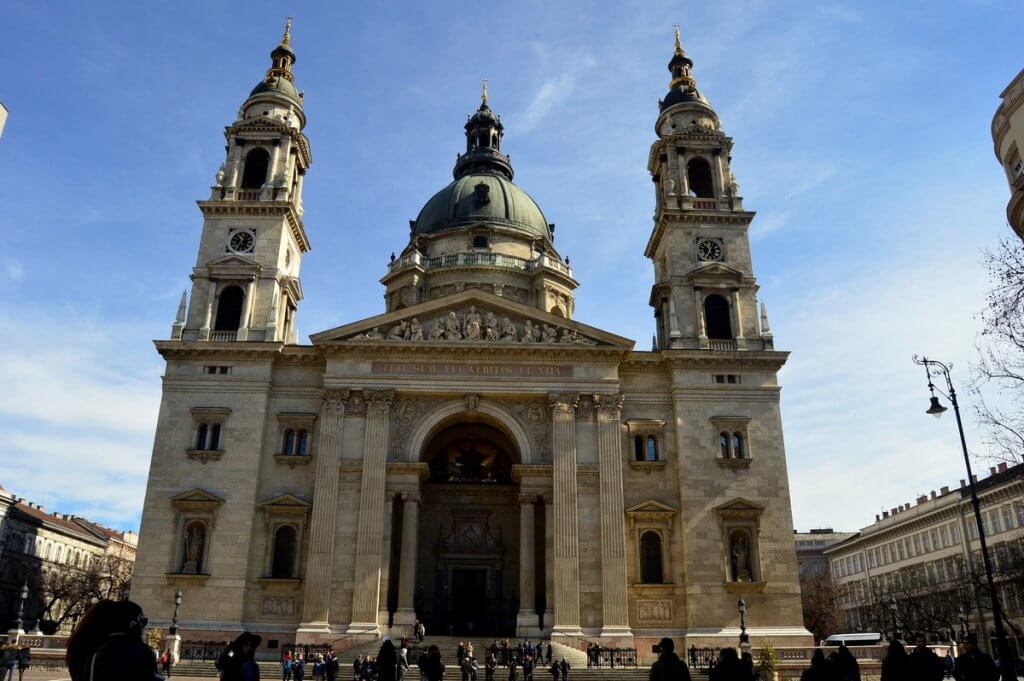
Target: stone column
(566,616)
(330,432)
(369,544)
(246,320)
(698,309)
(211,295)
(526,622)
(406,613)
(268,184)
(234,165)
(613,517)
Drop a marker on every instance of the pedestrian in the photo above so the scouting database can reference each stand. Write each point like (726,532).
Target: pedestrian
(528,668)
(237,662)
(357,668)
(286,665)
(553,671)
(668,666)
(319,667)
(25,661)
(333,666)
(165,664)
(387,661)
(922,663)
(549,653)
(512,676)
(728,668)
(564,668)
(403,659)
(298,668)
(973,664)
(894,666)
(846,663)
(433,667)
(490,662)
(9,659)
(460,652)
(820,670)
(107,645)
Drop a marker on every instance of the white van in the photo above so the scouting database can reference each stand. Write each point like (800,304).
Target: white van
(869,639)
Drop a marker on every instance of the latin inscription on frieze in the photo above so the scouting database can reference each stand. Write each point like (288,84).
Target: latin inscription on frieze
(473,370)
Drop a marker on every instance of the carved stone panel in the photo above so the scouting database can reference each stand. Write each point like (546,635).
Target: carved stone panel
(654,611)
(407,414)
(277,606)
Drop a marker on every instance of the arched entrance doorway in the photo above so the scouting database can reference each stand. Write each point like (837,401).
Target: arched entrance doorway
(468,563)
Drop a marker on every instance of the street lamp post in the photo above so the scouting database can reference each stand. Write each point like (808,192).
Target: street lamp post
(895,621)
(174,618)
(744,639)
(936,409)
(19,623)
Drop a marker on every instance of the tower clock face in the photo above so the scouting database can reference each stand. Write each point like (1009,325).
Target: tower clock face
(241,241)
(709,249)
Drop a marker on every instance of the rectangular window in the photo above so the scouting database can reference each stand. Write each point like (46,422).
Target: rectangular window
(1007,517)
(917,544)
(211,370)
(926,542)
(719,378)
(955,533)
(944,534)
(935,540)
(899,548)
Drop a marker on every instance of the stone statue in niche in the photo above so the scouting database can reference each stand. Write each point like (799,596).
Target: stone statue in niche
(670,186)
(195,542)
(472,324)
(740,551)
(220,175)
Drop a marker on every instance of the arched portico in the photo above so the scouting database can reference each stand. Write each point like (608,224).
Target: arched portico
(457,411)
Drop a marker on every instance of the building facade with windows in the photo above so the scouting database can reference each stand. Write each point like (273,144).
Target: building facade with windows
(1008,138)
(928,552)
(35,542)
(473,456)
(811,545)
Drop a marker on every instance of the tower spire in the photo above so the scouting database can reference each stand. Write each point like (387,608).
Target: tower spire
(483,93)
(283,56)
(286,39)
(679,43)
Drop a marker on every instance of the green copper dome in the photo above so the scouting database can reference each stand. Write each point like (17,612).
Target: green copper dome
(482,197)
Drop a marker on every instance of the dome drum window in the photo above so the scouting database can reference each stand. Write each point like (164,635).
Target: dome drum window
(731,441)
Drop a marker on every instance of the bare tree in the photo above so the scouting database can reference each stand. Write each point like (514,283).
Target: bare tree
(998,375)
(821,606)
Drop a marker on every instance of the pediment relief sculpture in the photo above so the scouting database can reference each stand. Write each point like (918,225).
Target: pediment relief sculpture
(475,325)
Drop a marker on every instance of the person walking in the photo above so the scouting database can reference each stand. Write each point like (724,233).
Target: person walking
(165,664)
(298,668)
(286,665)
(846,663)
(820,670)
(490,662)
(922,663)
(728,668)
(25,661)
(238,661)
(319,668)
(512,675)
(387,661)
(403,659)
(9,660)
(564,668)
(894,666)
(553,670)
(433,667)
(973,664)
(549,653)
(668,666)
(333,666)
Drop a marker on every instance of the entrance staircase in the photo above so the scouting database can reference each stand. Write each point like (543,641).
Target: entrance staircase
(448,646)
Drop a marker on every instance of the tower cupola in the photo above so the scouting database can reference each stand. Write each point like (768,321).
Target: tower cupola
(683,87)
(483,144)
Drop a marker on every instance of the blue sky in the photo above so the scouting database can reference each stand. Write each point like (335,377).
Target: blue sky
(861,138)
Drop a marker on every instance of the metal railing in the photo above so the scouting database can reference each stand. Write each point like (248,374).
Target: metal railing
(472,258)
(611,658)
(715,344)
(202,650)
(307,650)
(248,194)
(223,335)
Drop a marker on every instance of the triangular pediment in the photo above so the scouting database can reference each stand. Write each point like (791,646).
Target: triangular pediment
(259,123)
(740,505)
(196,498)
(471,316)
(714,270)
(283,501)
(650,506)
(232,263)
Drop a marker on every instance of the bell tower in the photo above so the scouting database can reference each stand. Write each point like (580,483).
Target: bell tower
(705,293)
(245,284)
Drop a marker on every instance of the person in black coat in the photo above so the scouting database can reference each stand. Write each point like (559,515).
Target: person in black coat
(668,666)
(894,666)
(238,661)
(729,667)
(846,663)
(923,664)
(973,664)
(433,667)
(107,645)
(387,661)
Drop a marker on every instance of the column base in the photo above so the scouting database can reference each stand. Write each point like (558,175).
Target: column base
(363,628)
(172,642)
(617,637)
(404,620)
(313,633)
(528,624)
(566,631)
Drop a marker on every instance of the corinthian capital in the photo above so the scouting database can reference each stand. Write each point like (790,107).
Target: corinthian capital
(378,402)
(333,400)
(609,406)
(564,404)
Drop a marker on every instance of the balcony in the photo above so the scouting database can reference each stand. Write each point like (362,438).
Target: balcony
(248,194)
(220,336)
(478,258)
(717,344)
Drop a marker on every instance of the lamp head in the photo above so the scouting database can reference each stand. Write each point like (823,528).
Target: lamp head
(935,409)
(742,604)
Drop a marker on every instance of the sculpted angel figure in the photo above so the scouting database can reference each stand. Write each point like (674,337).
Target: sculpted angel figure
(437,332)
(415,330)
(472,324)
(452,328)
(549,334)
(492,327)
(220,175)
(528,330)
(508,330)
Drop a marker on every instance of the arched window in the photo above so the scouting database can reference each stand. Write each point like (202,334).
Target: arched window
(193,549)
(650,558)
(638,448)
(215,436)
(302,448)
(716,317)
(652,448)
(737,446)
(229,309)
(480,242)
(289,442)
(283,563)
(203,436)
(698,176)
(723,445)
(255,174)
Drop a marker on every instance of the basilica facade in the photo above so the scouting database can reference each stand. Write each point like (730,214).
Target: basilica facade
(474,456)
